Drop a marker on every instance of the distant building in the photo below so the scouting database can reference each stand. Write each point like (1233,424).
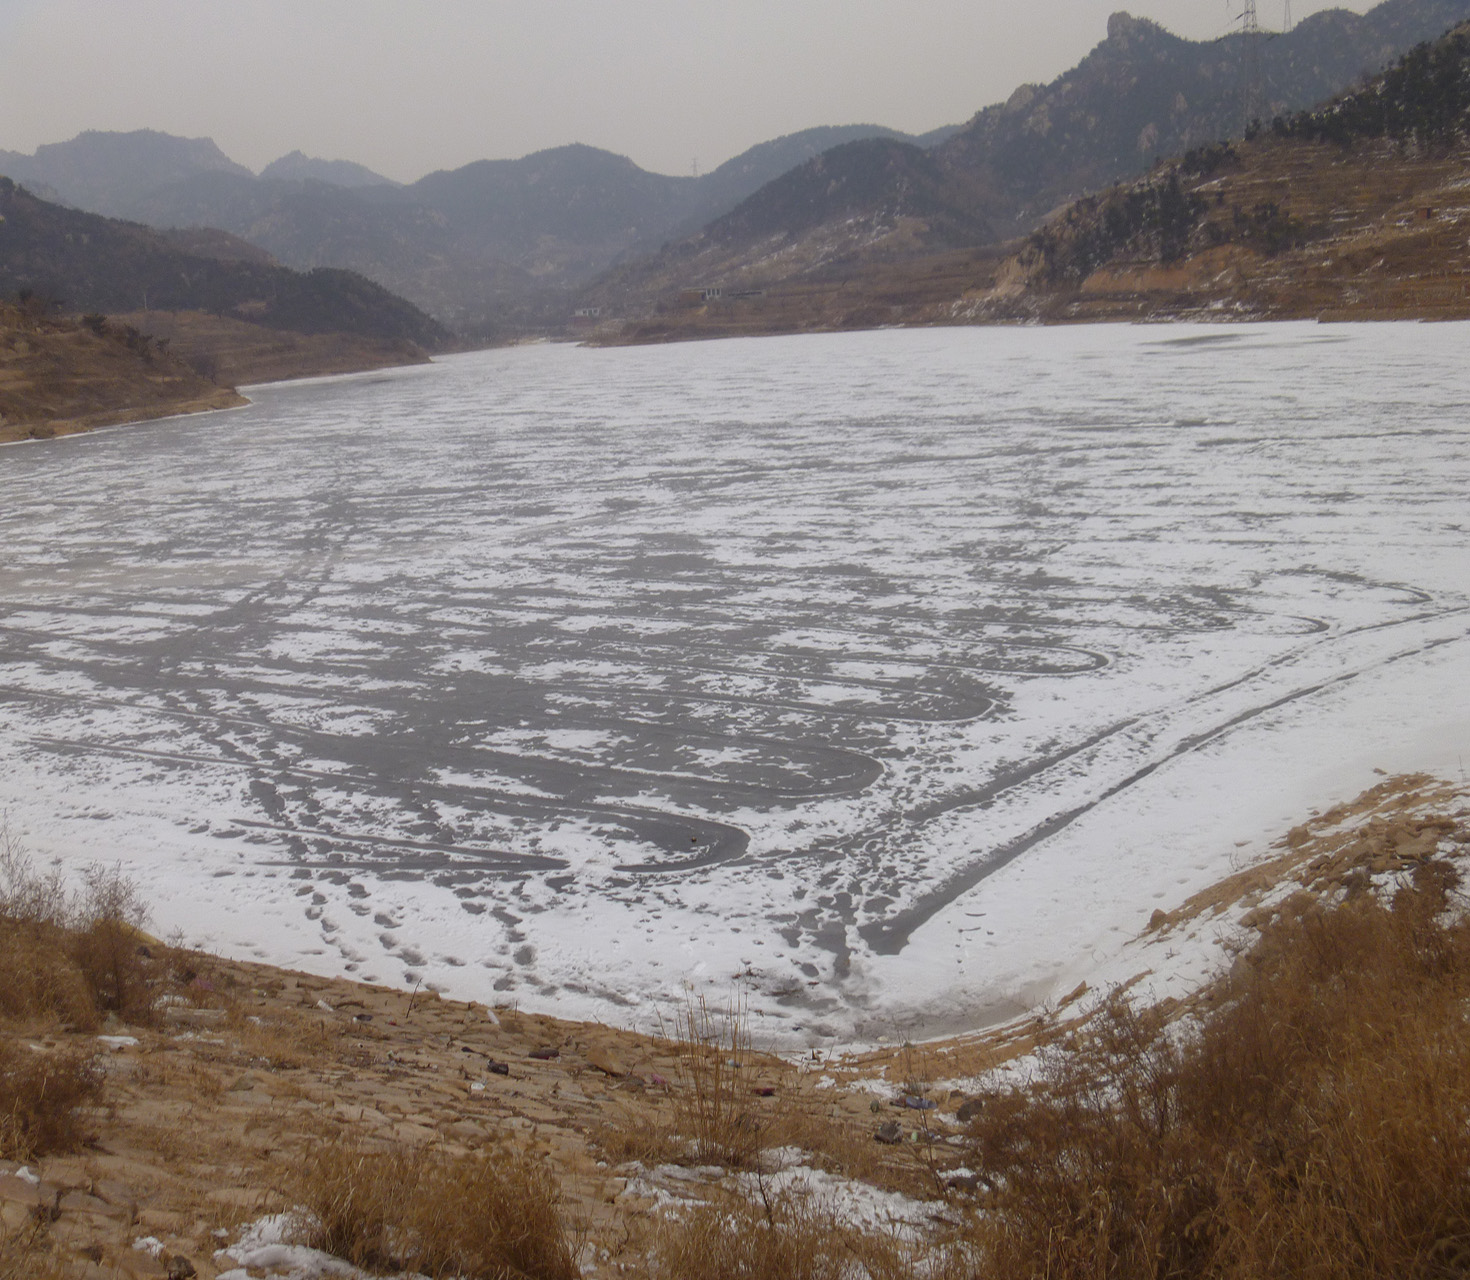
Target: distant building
(692,294)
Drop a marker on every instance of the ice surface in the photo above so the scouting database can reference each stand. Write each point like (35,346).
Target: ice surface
(894,678)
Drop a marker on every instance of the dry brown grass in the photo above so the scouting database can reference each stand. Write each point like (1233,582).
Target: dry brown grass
(67,959)
(486,1215)
(786,1236)
(73,955)
(43,982)
(1314,1126)
(629,1132)
(29,1254)
(41,1097)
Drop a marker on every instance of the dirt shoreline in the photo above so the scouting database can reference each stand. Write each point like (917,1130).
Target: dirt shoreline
(210,1109)
(61,377)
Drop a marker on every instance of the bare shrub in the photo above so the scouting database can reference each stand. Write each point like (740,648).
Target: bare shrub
(109,944)
(41,1095)
(42,978)
(1314,1125)
(485,1215)
(27,895)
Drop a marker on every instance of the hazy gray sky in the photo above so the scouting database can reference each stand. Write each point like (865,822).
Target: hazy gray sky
(407,88)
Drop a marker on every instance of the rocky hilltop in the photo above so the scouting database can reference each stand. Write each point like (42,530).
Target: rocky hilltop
(1141,94)
(1356,209)
(1353,209)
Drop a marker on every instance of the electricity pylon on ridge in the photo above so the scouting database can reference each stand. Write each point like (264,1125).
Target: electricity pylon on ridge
(1254,89)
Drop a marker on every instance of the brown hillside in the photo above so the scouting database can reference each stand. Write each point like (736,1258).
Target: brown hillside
(62,376)
(237,353)
(1272,229)
(1289,229)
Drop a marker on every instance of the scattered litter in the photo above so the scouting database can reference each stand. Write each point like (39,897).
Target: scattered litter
(262,1247)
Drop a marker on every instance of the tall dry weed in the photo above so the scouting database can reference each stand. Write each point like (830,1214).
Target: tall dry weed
(1315,1125)
(484,1216)
(43,981)
(714,1109)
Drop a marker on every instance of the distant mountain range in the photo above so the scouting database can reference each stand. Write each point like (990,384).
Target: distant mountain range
(493,244)
(1139,95)
(299,167)
(501,247)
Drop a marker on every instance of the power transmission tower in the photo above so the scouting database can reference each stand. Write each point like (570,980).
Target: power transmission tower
(1286,22)
(1254,89)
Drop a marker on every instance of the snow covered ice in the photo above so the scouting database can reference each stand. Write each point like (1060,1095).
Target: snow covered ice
(893,677)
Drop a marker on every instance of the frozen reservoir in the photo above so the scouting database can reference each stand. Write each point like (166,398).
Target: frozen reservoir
(892,678)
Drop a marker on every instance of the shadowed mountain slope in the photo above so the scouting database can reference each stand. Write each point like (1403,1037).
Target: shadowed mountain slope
(90,263)
(489,247)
